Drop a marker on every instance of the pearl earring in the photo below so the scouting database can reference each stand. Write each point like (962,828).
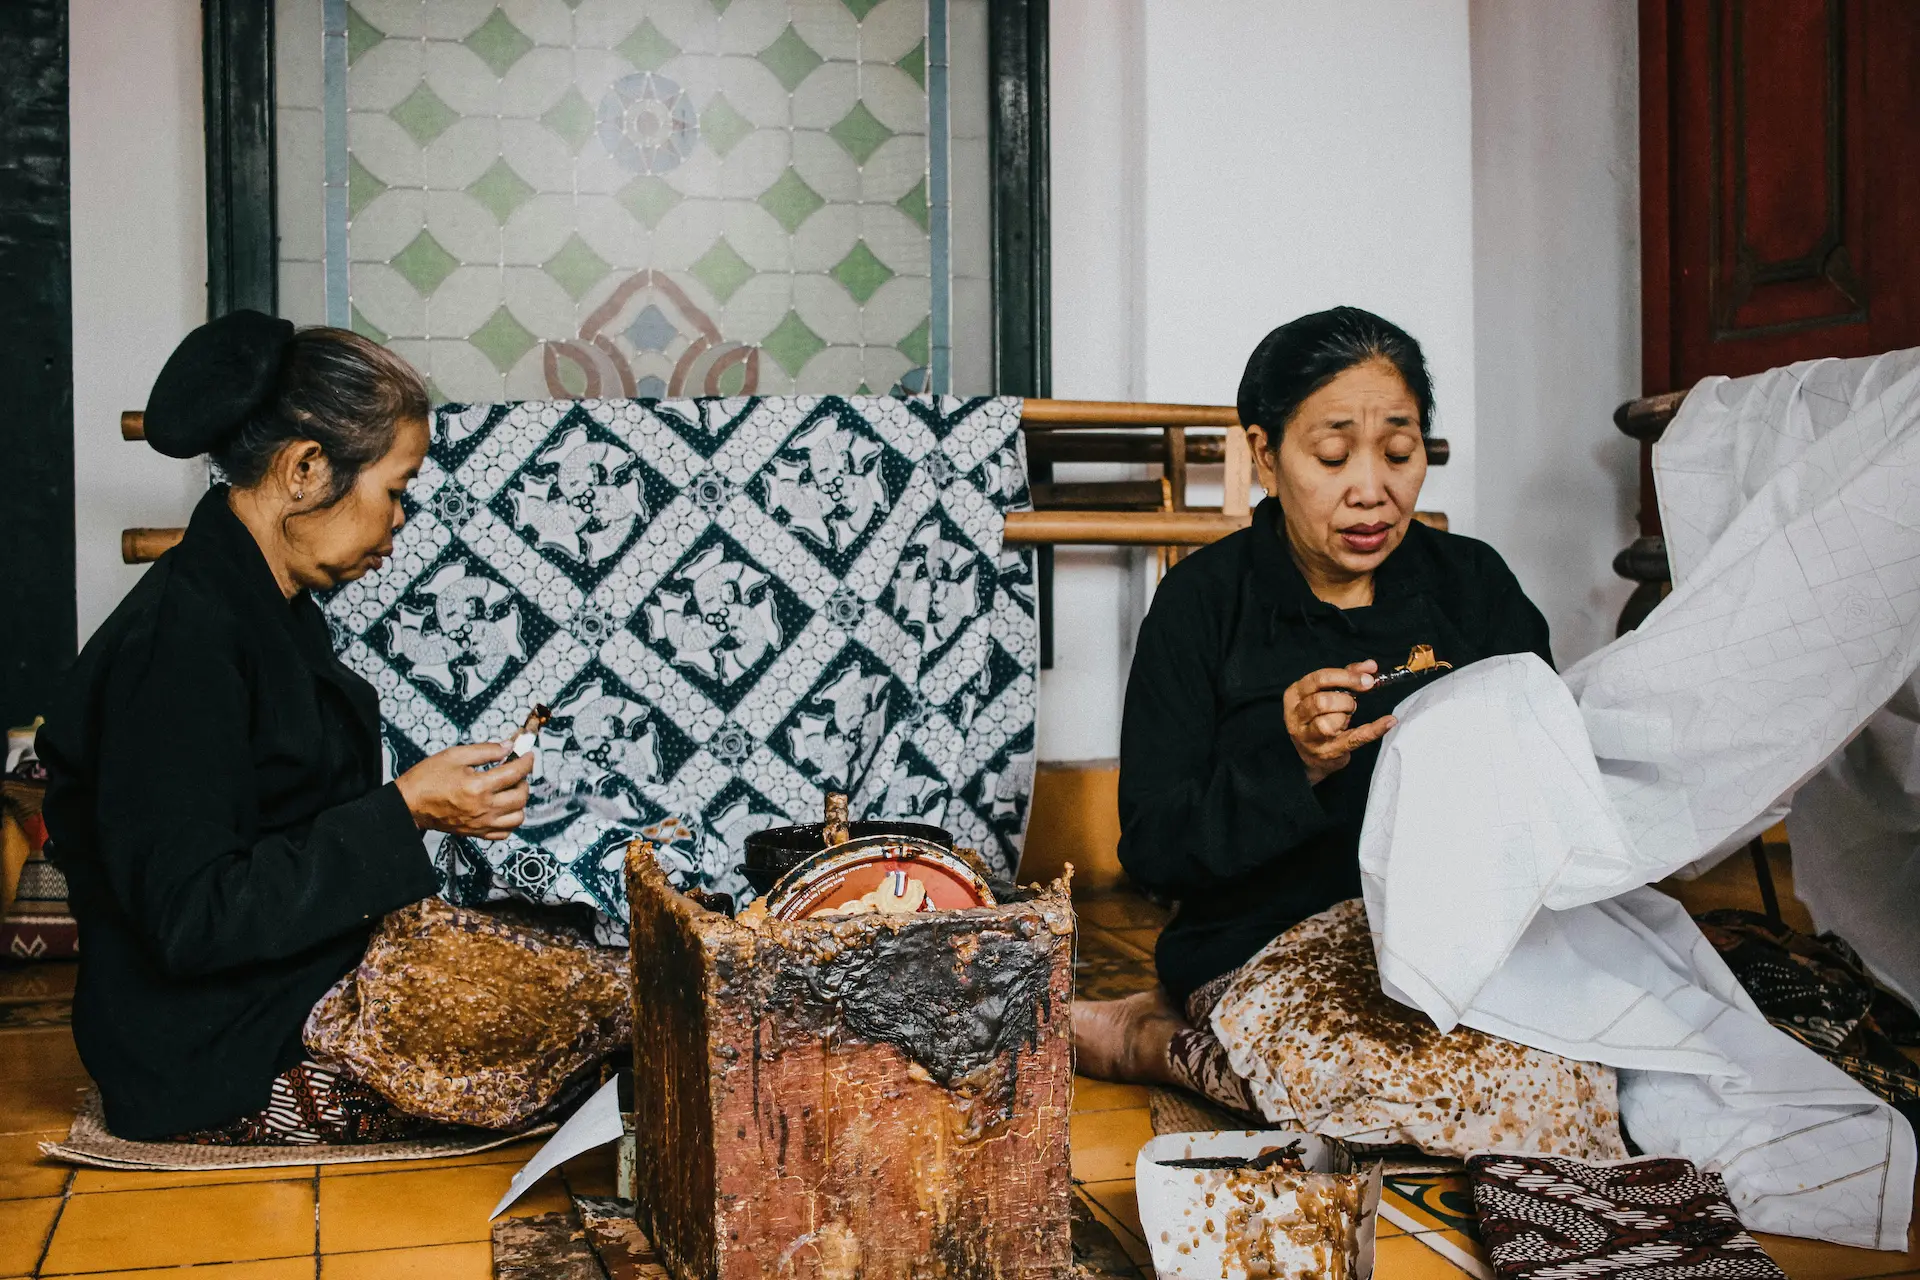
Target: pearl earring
(298,494)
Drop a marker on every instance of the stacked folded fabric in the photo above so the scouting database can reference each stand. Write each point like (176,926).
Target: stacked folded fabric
(1549,1216)
(1817,990)
(36,924)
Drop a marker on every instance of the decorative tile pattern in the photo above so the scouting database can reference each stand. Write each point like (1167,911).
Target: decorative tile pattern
(518,182)
(732,607)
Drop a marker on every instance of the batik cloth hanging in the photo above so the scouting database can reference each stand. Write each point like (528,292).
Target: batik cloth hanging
(731,606)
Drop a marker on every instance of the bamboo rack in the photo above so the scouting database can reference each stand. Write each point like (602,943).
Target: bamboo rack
(1151,513)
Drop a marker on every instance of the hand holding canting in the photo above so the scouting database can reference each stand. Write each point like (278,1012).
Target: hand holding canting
(450,791)
(1317,708)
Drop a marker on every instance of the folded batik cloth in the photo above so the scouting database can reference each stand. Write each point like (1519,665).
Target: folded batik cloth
(1550,1218)
(471,1017)
(1324,1049)
(36,923)
(1817,991)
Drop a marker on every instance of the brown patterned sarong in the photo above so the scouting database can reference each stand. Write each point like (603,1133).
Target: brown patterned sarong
(1551,1218)
(1199,1060)
(314,1105)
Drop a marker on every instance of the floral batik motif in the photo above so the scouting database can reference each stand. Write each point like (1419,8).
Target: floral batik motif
(730,606)
(1551,1218)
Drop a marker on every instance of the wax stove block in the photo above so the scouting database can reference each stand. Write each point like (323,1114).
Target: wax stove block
(871,1096)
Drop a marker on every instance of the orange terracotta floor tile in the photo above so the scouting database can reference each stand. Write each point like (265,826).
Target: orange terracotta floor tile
(1105,1095)
(236,1222)
(265,1269)
(86,1181)
(38,1105)
(1104,1143)
(422,1207)
(1817,1260)
(39,1053)
(473,1261)
(24,1172)
(23,1232)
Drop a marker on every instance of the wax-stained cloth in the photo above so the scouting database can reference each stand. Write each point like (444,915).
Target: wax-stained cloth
(1550,1218)
(732,606)
(1322,1048)
(474,1017)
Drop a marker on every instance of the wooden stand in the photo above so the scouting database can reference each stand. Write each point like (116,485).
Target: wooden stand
(1096,512)
(873,1096)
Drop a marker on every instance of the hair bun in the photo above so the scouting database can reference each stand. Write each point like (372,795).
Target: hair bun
(215,380)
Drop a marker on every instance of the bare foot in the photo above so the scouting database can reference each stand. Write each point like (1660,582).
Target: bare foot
(1126,1040)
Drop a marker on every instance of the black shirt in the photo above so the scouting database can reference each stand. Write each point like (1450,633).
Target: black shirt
(1215,809)
(216,805)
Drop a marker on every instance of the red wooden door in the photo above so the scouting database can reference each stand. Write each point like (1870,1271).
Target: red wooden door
(1780,183)
(1779,201)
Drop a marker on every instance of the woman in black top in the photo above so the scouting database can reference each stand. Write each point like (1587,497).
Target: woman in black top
(1252,719)
(216,799)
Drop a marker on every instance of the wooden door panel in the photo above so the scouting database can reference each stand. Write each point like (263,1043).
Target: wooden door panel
(1779,196)
(1779,140)
(1787,223)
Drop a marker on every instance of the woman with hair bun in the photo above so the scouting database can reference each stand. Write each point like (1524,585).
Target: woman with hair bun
(216,798)
(1267,672)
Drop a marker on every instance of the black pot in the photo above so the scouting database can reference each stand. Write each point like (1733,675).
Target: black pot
(770,854)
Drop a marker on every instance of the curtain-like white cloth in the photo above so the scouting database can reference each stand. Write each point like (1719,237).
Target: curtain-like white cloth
(1516,818)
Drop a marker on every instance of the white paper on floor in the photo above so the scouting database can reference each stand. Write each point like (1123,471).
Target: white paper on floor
(1515,817)
(595,1124)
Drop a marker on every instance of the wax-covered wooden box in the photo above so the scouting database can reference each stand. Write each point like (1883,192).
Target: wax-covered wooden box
(867,1096)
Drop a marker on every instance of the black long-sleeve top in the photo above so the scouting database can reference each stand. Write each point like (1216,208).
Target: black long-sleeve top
(1215,808)
(216,805)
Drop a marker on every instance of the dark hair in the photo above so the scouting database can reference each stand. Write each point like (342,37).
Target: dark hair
(1304,355)
(346,393)
(241,387)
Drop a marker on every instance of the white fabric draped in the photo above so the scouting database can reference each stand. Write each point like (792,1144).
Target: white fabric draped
(1517,817)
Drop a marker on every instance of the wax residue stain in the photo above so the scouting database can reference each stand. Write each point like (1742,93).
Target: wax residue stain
(1277,1224)
(1307,1023)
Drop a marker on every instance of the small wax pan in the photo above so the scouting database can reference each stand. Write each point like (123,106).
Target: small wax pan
(882,879)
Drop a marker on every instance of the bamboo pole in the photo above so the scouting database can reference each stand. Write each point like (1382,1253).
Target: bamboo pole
(1053,413)
(1119,528)
(1024,528)
(1050,444)
(1043,419)
(140,546)
(1123,413)
(1237,497)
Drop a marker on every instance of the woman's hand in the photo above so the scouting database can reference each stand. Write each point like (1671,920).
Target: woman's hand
(1317,707)
(450,792)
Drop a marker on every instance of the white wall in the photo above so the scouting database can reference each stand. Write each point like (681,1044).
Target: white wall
(139,267)
(1557,299)
(1098,145)
(1219,169)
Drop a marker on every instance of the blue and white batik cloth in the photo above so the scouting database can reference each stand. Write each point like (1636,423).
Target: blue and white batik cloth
(732,606)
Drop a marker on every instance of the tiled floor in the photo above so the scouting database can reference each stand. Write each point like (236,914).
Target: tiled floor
(429,1219)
